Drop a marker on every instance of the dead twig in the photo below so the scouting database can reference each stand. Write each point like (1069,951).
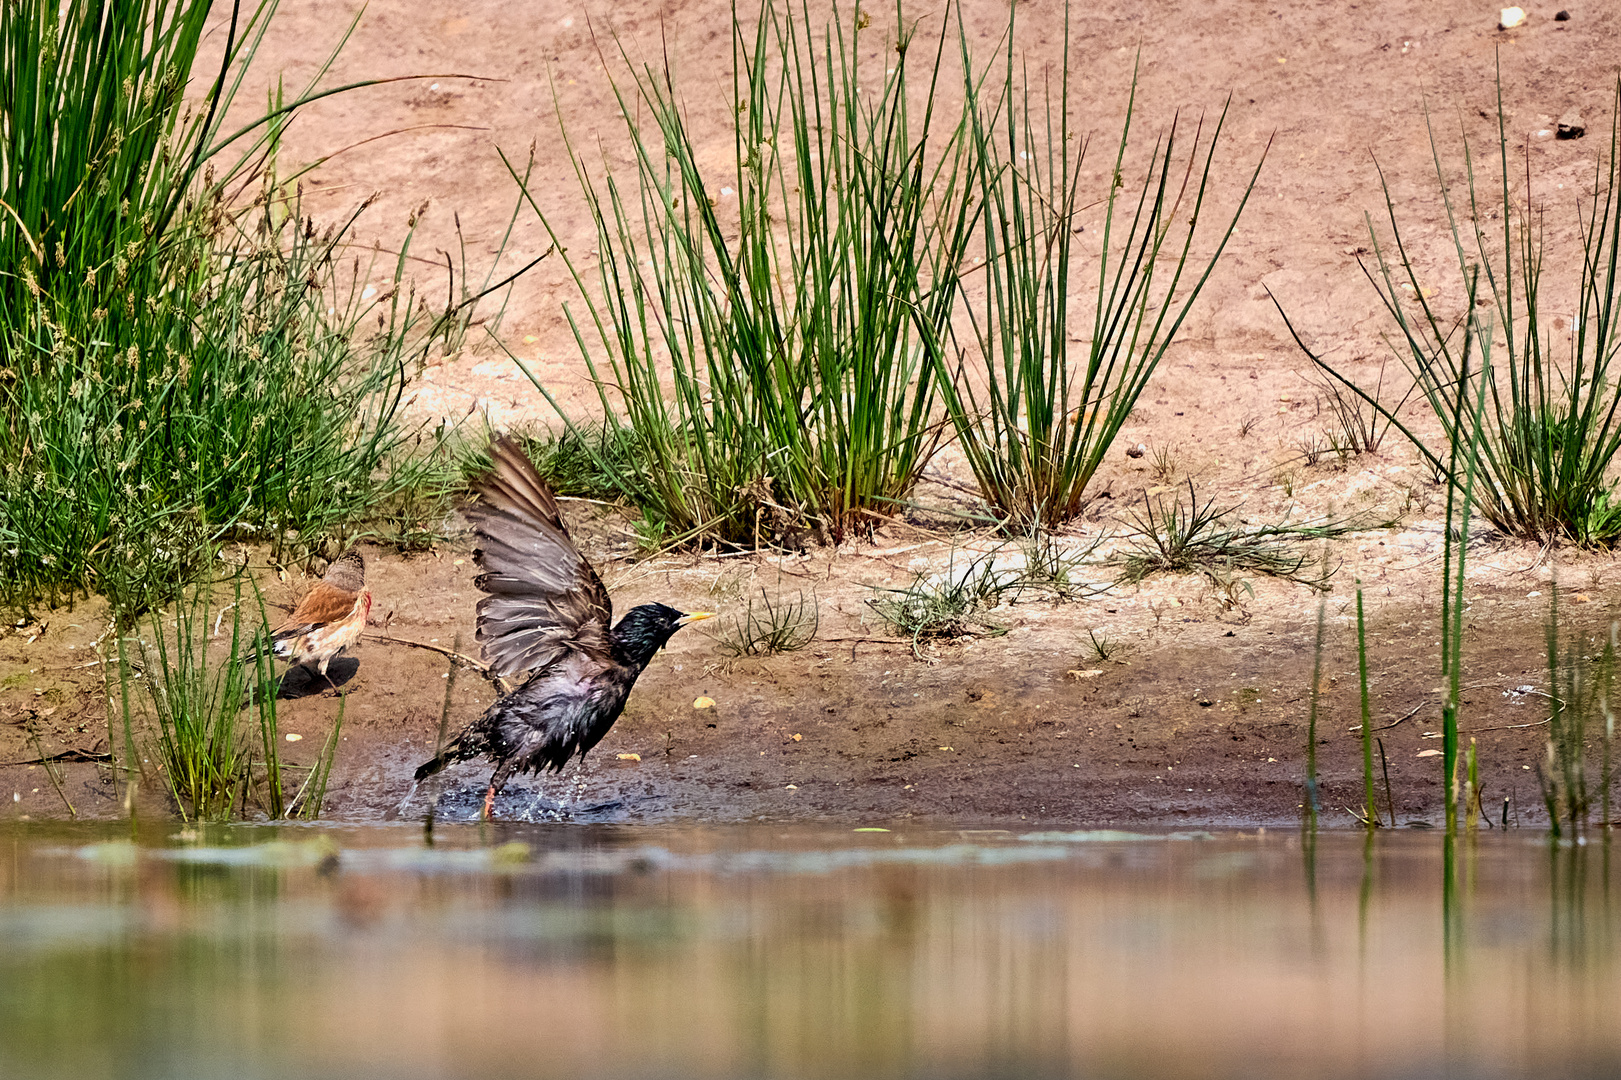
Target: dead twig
(1505,727)
(465,661)
(71,756)
(1393,723)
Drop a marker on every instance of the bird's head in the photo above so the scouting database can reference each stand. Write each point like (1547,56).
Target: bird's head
(347,571)
(644,630)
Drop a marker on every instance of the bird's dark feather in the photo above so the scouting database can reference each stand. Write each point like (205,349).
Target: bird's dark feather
(547,615)
(566,708)
(545,599)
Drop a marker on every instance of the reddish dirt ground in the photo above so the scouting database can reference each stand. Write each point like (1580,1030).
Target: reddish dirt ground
(1201,713)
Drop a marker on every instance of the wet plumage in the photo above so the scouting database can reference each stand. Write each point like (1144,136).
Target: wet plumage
(546,616)
(330,617)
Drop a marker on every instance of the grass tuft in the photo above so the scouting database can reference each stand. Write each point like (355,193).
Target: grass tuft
(1102,647)
(1360,425)
(197,695)
(188,719)
(791,315)
(185,357)
(948,605)
(1203,538)
(770,627)
(1051,567)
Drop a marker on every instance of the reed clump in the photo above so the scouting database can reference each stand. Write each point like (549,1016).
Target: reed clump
(185,357)
(789,339)
(1551,420)
(1041,424)
(196,698)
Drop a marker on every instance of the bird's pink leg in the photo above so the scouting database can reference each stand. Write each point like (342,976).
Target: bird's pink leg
(489,803)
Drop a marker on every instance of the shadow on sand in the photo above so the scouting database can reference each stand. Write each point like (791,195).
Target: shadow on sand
(301,681)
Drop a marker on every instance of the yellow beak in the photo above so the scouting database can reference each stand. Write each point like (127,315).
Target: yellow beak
(694,616)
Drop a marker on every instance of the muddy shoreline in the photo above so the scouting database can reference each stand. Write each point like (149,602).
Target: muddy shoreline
(1199,716)
(1200,712)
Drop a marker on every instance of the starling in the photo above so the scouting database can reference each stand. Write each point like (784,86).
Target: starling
(547,617)
(329,618)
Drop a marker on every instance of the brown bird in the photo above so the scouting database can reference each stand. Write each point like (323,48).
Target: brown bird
(547,617)
(329,618)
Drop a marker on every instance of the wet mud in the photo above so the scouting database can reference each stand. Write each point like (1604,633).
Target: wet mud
(1200,716)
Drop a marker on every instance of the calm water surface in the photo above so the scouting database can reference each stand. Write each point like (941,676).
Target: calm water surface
(570,951)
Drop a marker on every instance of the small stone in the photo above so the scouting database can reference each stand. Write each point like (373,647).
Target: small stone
(1571,126)
(703,703)
(1563,16)
(1137,451)
(1510,17)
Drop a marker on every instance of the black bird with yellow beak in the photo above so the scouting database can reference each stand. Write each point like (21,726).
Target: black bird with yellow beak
(547,617)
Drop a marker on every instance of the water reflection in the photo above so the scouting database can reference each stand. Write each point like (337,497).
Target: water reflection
(619,952)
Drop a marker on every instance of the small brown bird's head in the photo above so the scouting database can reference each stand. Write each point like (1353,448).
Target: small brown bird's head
(347,572)
(644,630)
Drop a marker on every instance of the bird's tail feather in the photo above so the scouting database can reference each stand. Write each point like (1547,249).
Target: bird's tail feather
(428,768)
(454,752)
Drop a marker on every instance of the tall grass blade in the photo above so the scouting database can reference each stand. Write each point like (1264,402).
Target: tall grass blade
(1312,806)
(1370,810)
(1463,458)
(311,796)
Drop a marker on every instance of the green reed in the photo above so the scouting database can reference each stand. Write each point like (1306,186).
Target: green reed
(792,314)
(185,356)
(1553,425)
(1048,417)
(197,696)
(1465,435)
(1370,809)
(186,719)
(1312,802)
(306,803)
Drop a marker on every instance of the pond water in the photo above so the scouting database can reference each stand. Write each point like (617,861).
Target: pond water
(598,951)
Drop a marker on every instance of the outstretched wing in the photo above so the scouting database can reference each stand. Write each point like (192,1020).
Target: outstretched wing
(544,599)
